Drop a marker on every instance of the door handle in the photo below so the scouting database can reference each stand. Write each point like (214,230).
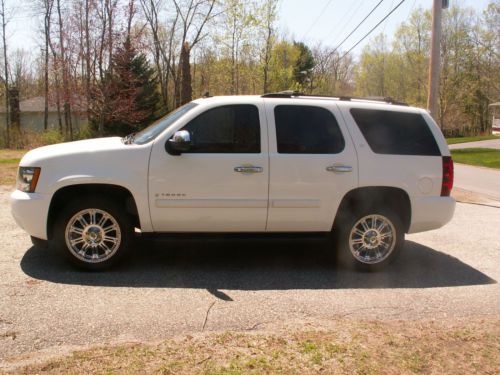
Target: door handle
(339,168)
(248,169)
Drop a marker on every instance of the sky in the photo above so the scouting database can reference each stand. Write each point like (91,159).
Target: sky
(313,21)
(329,21)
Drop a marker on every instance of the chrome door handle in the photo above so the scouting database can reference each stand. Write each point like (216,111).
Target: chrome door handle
(339,168)
(249,169)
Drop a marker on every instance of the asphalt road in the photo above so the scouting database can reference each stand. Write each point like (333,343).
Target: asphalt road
(479,180)
(179,288)
(491,143)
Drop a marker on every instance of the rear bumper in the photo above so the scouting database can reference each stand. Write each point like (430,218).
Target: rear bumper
(30,211)
(430,213)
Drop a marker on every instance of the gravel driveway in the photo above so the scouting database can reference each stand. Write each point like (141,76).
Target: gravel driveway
(174,288)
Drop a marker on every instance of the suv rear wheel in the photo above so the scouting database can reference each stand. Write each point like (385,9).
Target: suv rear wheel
(93,232)
(370,239)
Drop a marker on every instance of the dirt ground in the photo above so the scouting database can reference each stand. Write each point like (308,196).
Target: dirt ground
(338,346)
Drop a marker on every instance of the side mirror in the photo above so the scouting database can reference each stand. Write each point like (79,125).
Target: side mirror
(179,143)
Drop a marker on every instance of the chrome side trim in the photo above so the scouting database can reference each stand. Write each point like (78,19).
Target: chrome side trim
(211,203)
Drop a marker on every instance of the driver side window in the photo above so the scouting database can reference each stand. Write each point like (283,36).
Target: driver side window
(226,129)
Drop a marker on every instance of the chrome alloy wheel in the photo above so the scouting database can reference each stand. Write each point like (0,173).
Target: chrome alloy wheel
(93,235)
(372,239)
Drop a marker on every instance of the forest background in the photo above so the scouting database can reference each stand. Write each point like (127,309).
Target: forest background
(117,65)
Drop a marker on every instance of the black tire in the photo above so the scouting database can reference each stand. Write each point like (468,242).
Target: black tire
(38,242)
(100,206)
(359,253)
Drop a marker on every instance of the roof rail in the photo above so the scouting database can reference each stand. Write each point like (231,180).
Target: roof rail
(298,94)
(283,94)
(385,99)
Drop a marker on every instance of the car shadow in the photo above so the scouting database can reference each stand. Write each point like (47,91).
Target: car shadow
(254,265)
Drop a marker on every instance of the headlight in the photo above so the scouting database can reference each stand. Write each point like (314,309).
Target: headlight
(27,179)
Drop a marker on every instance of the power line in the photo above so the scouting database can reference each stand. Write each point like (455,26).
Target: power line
(357,27)
(317,19)
(385,23)
(372,29)
(345,24)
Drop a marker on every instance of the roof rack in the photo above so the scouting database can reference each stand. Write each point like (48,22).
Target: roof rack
(283,94)
(298,94)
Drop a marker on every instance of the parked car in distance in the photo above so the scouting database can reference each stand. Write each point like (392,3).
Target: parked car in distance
(362,172)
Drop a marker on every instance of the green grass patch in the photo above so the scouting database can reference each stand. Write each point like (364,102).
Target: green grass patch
(452,141)
(483,157)
(10,161)
(344,347)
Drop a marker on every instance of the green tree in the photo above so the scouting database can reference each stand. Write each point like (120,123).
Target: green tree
(304,65)
(412,44)
(284,56)
(374,71)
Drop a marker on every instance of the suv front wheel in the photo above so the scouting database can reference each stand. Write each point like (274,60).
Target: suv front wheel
(370,239)
(93,232)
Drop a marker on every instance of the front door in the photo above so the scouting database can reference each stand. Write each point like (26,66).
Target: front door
(221,183)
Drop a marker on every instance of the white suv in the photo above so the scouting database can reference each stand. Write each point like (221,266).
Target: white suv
(365,171)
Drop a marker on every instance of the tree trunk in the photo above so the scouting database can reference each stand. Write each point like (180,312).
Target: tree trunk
(15,117)
(87,57)
(57,86)
(186,89)
(48,10)
(6,79)
(66,105)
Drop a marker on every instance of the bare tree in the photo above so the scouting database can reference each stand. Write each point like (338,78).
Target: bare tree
(48,4)
(3,18)
(269,13)
(332,74)
(106,13)
(65,74)
(194,15)
(162,49)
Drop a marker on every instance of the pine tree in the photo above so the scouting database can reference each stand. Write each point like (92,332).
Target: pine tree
(304,65)
(132,92)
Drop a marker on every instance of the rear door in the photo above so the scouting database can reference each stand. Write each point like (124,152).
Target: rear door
(313,164)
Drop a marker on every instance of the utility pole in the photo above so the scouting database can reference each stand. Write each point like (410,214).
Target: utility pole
(434,61)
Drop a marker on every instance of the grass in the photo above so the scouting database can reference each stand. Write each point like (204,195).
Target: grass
(339,347)
(483,157)
(9,160)
(452,141)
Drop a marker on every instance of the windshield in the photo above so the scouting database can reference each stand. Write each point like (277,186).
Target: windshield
(152,131)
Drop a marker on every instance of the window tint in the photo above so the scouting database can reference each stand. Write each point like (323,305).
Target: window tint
(226,129)
(399,133)
(307,130)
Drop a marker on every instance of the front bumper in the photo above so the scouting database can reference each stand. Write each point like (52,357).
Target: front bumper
(30,211)
(431,213)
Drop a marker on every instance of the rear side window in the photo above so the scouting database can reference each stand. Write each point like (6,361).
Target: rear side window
(307,130)
(398,133)
(226,129)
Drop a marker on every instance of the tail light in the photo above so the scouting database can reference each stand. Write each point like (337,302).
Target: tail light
(447,183)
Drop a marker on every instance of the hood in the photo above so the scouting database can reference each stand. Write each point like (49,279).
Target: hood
(69,149)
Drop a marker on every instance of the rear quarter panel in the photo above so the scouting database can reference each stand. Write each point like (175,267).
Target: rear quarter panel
(419,176)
